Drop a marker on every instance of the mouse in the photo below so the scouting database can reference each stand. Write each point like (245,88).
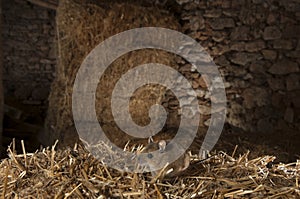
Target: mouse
(171,170)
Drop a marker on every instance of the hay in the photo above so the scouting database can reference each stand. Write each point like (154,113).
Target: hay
(82,25)
(74,173)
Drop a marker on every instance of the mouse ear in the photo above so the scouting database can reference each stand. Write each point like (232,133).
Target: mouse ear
(150,140)
(162,145)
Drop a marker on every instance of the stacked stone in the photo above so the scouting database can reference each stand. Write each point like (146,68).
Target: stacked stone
(29,51)
(256,45)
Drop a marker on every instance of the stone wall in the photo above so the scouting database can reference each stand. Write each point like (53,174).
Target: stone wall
(29,51)
(256,45)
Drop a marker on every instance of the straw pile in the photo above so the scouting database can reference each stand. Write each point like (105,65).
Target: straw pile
(81,26)
(74,173)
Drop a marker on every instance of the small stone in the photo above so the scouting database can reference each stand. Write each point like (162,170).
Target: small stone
(271,33)
(207,122)
(264,126)
(289,115)
(237,83)
(284,67)
(196,23)
(237,71)
(293,54)
(239,58)
(293,82)
(291,31)
(246,16)
(272,18)
(240,33)
(222,61)
(255,96)
(258,67)
(276,84)
(237,4)
(219,36)
(46,61)
(204,110)
(217,98)
(269,54)
(219,50)
(215,13)
(258,1)
(259,80)
(238,46)
(182,1)
(195,84)
(248,76)
(244,58)
(221,23)
(195,75)
(277,100)
(28,14)
(200,93)
(202,82)
(255,46)
(283,44)
(226,4)
(230,13)
(40,93)
(43,14)
(296,98)
(185,68)
(235,108)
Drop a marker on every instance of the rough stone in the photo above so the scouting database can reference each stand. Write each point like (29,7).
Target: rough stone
(204,110)
(202,82)
(291,31)
(277,99)
(293,82)
(296,99)
(264,126)
(276,84)
(219,36)
(222,61)
(283,44)
(240,33)
(196,23)
(272,18)
(246,16)
(214,13)
(221,23)
(284,67)
(258,67)
(239,83)
(255,46)
(272,33)
(293,54)
(269,54)
(244,58)
(238,46)
(40,93)
(255,96)
(289,115)
(219,50)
